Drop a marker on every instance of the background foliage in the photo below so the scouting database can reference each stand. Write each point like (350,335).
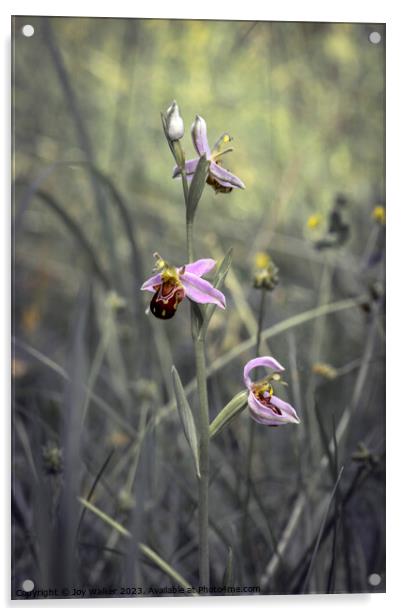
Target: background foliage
(94,199)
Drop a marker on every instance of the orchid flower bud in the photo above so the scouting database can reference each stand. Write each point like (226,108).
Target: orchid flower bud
(174,122)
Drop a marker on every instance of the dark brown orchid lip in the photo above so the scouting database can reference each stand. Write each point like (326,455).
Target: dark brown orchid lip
(166,299)
(263,395)
(217,186)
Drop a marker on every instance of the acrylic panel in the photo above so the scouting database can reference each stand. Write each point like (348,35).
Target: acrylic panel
(198,356)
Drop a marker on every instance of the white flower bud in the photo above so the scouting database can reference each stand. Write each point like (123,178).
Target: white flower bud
(174,122)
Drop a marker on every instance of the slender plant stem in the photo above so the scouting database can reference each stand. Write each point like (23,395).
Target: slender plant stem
(185,186)
(190,247)
(251,431)
(203,423)
(203,482)
(189,223)
(261,314)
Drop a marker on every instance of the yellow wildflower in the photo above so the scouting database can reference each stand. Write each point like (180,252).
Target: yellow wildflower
(378,214)
(261,260)
(314,221)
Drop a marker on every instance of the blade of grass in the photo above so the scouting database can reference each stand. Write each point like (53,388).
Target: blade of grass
(75,230)
(92,490)
(187,420)
(147,551)
(228,574)
(318,540)
(337,514)
(100,402)
(218,282)
(197,187)
(325,440)
(105,517)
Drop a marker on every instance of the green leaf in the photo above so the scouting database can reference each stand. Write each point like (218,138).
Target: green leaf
(197,321)
(105,517)
(146,550)
(218,281)
(187,419)
(228,575)
(197,186)
(228,413)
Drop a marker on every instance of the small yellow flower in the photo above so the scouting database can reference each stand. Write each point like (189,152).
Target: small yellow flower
(378,214)
(261,260)
(314,221)
(266,274)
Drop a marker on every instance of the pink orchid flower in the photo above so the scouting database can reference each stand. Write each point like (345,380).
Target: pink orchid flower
(219,178)
(265,408)
(172,284)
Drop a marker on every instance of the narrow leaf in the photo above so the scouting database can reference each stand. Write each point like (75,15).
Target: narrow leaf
(105,517)
(187,419)
(197,186)
(164,566)
(228,575)
(228,413)
(320,534)
(92,490)
(218,281)
(197,322)
(325,441)
(147,551)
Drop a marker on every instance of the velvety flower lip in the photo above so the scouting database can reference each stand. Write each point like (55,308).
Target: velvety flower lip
(187,280)
(219,177)
(265,407)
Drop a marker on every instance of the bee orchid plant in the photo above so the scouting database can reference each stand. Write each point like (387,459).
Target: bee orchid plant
(169,286)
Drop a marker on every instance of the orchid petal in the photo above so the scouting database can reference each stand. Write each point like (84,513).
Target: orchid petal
(287,409)
(264,415)
(190,167)
(269,362)
(151,283)
(201,291)
(199,134)
(200,267)
(224,177)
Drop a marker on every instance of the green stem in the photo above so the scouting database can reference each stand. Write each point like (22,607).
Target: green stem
(261,314)
(185,185)
(190,246)
(189,223)
(251,430)
(203,423)
(203,482)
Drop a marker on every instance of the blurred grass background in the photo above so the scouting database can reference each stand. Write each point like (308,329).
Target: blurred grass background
(94,199)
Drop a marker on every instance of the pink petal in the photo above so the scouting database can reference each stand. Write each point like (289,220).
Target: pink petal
(151,283)
(199,134)
(190,167)
(269,362)
(287,410)
(224,177)
(263,415)
(200,267)
(201,291)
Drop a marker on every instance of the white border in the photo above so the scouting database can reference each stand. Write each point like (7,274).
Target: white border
(306,10)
